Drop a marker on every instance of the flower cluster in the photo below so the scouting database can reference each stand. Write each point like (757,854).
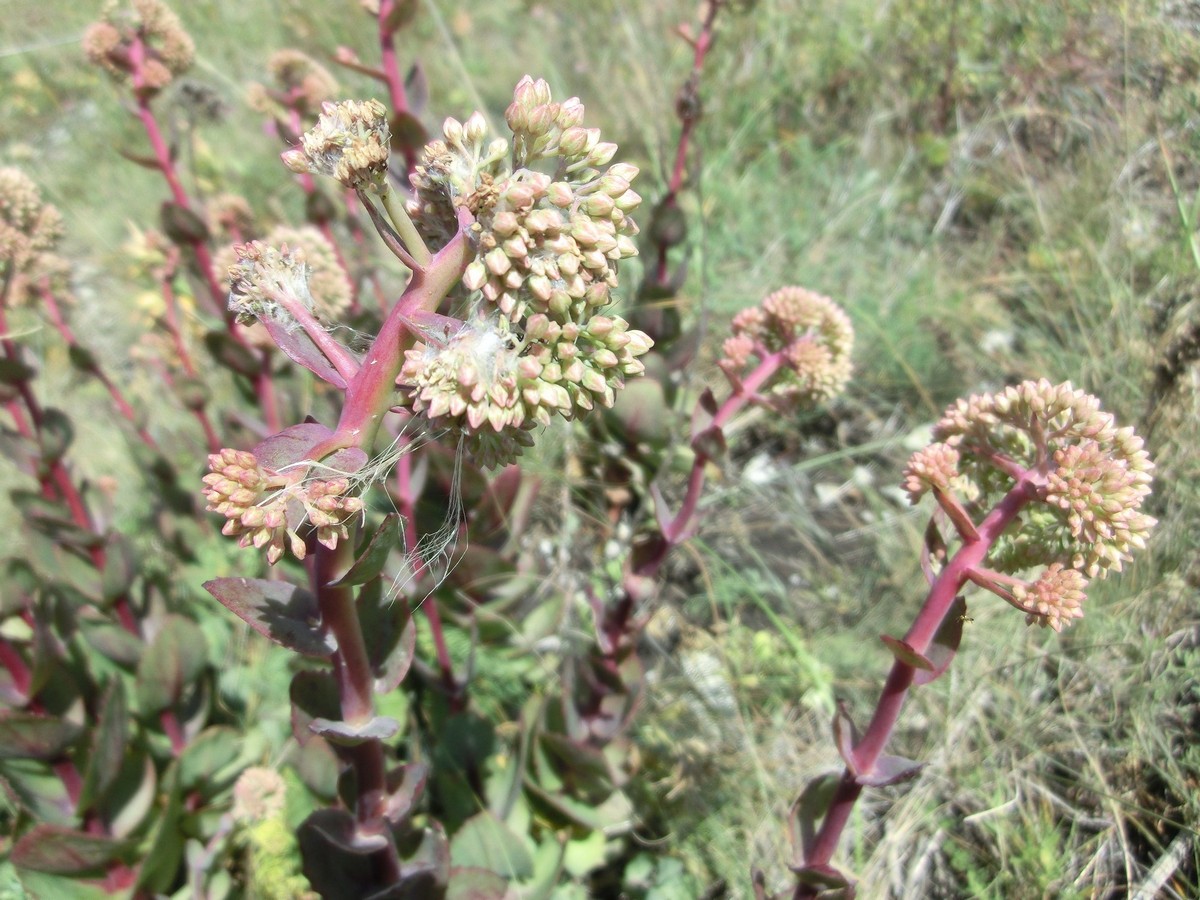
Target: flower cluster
(535,342)
(349,144)
(301,84)
(268,509)
(493,386)
(814,336)
(29,227)
(259,793)
(1087,480)
(164,49)
(305,269)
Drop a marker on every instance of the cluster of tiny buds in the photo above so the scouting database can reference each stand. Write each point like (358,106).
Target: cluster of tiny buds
(1083,478)
(266,509)
(258,794)
(262,280)
(349,143)
(493,385)
(542,129)
(29,227)
(813,336)
(166,50)
(301,84)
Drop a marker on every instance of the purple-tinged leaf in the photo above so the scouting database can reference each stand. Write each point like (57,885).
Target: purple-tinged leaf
(337,863)
(485,842)
(845,737)
(25,735)
(281,612)
(583,768)
(710,443)
(344,734)
(945,643)
(373,555)
(171,665)
(120,568)
(36,789)
(303,350)
(890,770)
(290,446)
(317,766)
(109,740)
(933,550)
(904,652)
(314,695)
(406,785)
(809,809)
(64,851)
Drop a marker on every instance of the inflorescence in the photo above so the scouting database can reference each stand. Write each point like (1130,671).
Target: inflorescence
(146,44)
(1086,477)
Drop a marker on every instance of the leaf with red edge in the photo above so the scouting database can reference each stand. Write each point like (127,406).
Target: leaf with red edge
(109,739)
(25,735)
(890,770)
(64,851)
(406,785)
(904,652)
(171,664)
(945,643)
(290,446)
(303,350)
(281,612)
(845,736)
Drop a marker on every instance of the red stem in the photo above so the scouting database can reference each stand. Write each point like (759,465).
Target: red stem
(391,71)
(887,711)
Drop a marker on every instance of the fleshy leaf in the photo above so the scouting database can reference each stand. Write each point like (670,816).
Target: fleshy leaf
(845,736)
(281,612)
(823,876)
(891,770)
(409,784)
(314,695)
(484,842)
(302,350)
(64,851)
(809,809)
(25,735)
(171,664)
(231,354)
(210,758)
(370,559)
(390,635)
(109,738)
(904,652)
(945,643)
(338,866)
(476,884)
(380,728)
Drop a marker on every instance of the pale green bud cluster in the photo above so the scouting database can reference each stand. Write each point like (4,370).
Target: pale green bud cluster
(349,143)
(813,333)
(267,509)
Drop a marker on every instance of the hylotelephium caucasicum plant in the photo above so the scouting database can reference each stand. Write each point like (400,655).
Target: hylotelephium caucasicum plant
(1041,492)
(513,246)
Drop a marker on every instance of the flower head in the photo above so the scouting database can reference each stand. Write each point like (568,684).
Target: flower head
(301,84)
(811,332)
(164,49)
(349,143)
(269,509)
(305,267)
(29,227)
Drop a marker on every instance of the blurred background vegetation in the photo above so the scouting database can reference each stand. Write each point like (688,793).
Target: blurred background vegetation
(993,191)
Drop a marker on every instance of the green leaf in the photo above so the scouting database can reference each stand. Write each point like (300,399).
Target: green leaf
(120,567)
(281,612)
(390,635)
(476,884)
(130,799)
(210,758)
(165,847)
(484,842)
(109,739)
(25,735)
(344,734)
(371,558)
(232,355)
(171,664)
(114,642)
(55,434)
(64,851)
